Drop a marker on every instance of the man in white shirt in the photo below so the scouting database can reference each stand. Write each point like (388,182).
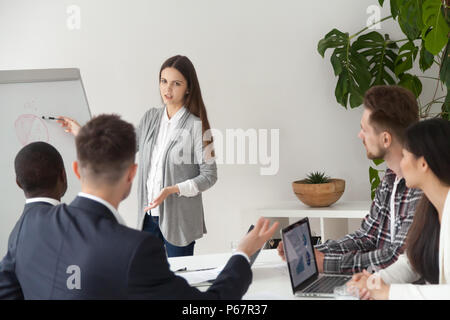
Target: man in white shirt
(41,175)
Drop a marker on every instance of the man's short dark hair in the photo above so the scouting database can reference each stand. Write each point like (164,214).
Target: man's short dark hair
(106,147)
(38,167)
(393,109)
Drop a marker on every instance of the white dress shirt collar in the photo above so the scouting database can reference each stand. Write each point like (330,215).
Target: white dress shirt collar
(175,118)
(52,201)
(106,204)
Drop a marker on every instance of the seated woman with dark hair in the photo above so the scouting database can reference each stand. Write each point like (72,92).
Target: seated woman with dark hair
(425,165)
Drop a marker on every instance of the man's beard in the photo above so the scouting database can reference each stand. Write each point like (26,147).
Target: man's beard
(378,155)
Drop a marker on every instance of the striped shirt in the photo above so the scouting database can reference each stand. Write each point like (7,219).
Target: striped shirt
(371,245)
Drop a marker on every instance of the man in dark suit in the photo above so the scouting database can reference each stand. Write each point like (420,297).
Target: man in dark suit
(81,250)
(41,175)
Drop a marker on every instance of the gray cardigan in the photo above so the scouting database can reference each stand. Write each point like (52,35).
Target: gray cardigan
(181,219)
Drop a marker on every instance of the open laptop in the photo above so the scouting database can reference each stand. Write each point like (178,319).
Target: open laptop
(299,252)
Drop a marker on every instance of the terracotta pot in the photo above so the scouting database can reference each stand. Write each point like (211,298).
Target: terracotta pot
(321,194)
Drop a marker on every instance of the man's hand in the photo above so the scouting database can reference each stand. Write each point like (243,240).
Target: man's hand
(320,257)
(280,250)
(255,239)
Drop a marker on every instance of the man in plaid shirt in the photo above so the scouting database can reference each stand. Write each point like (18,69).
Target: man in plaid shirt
(388,111)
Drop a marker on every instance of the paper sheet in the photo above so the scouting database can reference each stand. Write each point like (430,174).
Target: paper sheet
(194,277)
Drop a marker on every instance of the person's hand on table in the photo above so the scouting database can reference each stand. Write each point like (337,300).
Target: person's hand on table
(370,286)
(69,125)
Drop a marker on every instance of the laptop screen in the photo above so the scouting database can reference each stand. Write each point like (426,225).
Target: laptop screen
(299,252)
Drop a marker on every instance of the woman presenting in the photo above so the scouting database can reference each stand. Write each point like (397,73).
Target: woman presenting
(176,163)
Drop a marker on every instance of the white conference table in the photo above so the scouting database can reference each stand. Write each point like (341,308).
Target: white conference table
(270,275)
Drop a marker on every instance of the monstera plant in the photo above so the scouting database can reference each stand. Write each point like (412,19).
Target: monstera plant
(368,58)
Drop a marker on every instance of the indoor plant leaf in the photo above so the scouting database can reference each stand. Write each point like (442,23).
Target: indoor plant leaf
(444,73)
(436,29)
(410,17)
(405,59)
(411,82)
(374,181)
(350,66)
(426,59)
(381,53)
(394,8)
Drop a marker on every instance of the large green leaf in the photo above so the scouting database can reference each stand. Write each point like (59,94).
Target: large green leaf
(394,9)
(426,59)
(411,82)
(410,17)
(381,54)
(436,29)
(406,56)
(350,66)
(445,67)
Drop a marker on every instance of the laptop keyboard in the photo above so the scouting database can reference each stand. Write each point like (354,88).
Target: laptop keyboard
(326,284)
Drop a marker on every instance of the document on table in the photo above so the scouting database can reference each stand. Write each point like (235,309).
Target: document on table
(197,277)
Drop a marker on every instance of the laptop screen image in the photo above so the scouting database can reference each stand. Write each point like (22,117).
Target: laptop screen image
(299,253)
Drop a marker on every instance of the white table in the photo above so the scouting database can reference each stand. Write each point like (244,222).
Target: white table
(270,275)
(296,209)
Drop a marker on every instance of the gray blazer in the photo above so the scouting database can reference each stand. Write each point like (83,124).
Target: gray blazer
(181,218)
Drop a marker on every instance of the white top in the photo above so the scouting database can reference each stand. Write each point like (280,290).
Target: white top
(106,204)
(167,128)
(52,201)
(400,274)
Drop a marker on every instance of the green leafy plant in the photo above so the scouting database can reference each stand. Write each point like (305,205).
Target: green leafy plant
(368,58)
(316,178)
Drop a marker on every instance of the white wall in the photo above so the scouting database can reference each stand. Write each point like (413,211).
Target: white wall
(258,67)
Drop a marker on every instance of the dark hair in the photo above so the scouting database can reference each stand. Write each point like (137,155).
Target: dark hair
(393,109)
(106,146)
(38,167)
(430,139)
(194,101)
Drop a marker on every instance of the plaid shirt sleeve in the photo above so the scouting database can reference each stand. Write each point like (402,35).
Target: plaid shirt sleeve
(371,244)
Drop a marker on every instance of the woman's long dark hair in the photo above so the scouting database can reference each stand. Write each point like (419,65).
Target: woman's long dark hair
(430,139)
(194,101)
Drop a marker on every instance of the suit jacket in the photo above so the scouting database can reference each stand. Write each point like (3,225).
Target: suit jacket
(9,285)
(80,251)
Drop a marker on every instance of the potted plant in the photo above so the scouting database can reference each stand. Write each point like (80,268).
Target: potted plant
(318,190)
(368,58)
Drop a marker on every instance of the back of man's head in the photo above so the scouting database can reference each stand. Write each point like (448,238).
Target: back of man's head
(40,170)
(393,109)
(106,148)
